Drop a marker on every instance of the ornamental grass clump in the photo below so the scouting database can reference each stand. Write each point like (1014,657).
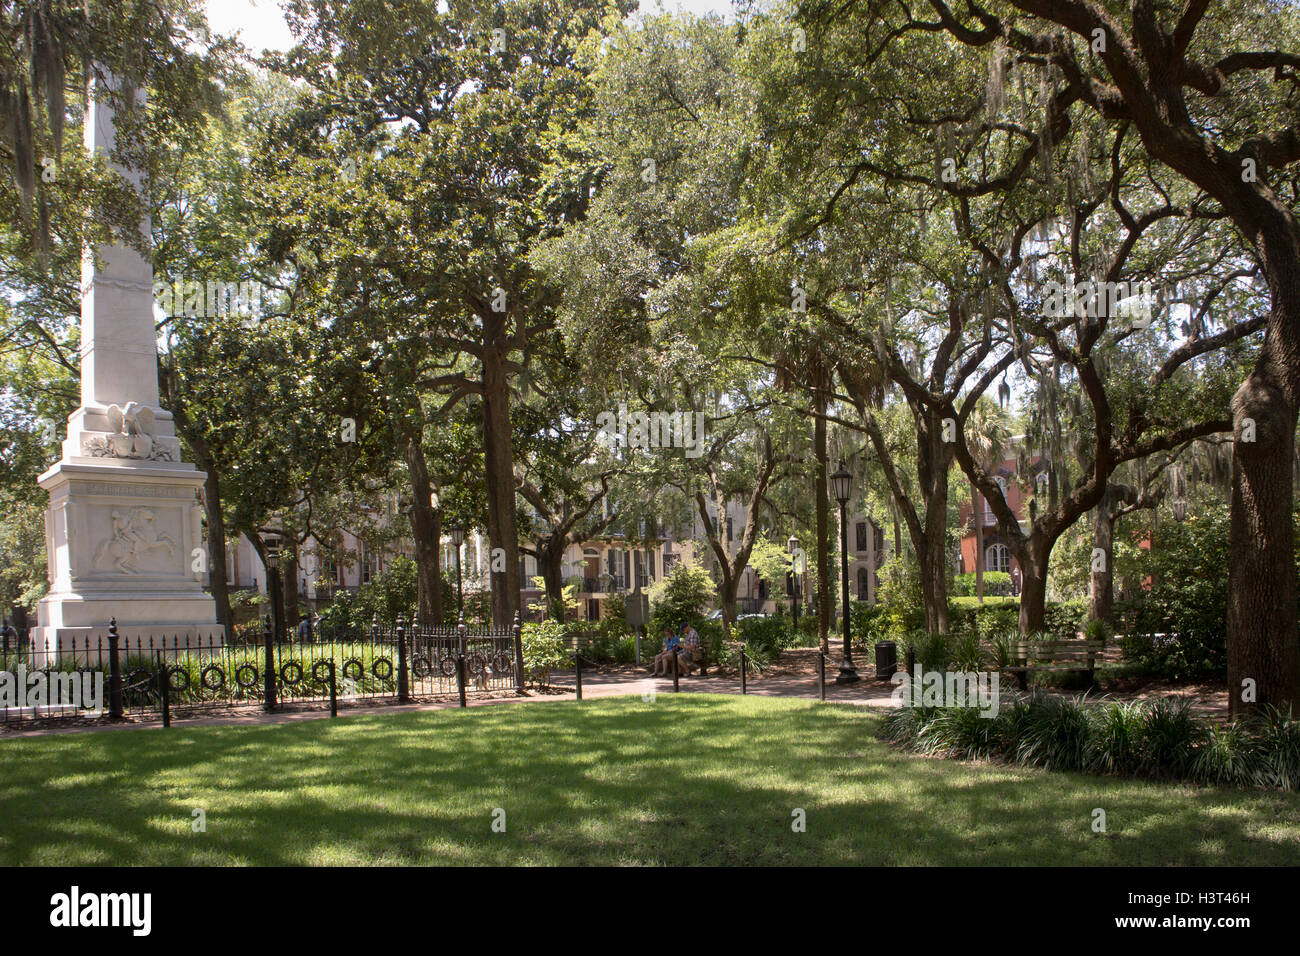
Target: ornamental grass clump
(1227,755)
(960,732)
(1155,739)
(1115,738)
(1169,736)
(1054,734)
(1277,749)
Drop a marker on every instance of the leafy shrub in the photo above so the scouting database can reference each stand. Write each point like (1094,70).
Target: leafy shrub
(868,623)
(545,650)
(966,653)
(764,637)
(933,651)
(984,619)
(996,583)
(1064,619)
(624,650)
(710,638)
(901,596)
(681,597)
(1096,630)
(1186,599)
(807,635)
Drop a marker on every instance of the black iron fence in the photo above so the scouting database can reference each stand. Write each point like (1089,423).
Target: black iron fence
(161,675)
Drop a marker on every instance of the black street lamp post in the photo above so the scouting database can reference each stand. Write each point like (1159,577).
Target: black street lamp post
(458,538)
(271,548)
(794,577)
(842,488)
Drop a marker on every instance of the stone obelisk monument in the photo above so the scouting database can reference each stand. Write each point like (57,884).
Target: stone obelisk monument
(123,527)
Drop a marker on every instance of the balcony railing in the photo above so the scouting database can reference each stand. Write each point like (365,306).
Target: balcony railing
(604,585)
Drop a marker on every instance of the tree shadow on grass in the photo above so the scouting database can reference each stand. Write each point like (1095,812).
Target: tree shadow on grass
(683,780)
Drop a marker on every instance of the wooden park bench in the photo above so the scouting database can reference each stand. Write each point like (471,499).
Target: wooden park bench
(702,657)
(1029,656)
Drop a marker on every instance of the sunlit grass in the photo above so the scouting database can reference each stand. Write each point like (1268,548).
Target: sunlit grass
(687,779)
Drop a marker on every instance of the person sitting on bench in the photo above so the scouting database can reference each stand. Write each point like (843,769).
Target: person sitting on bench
(690,649)
(664,659)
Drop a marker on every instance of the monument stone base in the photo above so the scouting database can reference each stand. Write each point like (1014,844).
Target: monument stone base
(124,540)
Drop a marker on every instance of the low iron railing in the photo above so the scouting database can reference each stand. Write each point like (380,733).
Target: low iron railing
(148,675)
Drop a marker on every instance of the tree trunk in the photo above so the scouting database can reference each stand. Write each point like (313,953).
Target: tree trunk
(503,535)
(1261,619)
(934,581)
(934,458)
(1033,560)
(727,598)
(1101,584)
(978,518)
(218,573)
(821,498)
(550,560)
(426,528)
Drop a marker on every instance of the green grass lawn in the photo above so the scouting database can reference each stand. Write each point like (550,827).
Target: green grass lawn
(689,779)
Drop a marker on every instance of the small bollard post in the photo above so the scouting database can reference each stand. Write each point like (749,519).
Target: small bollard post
(268,681)
(744,683)
(403,687)
(460,676)
(334,691)
(164,686)
(577,670)
(676,671)
(821,675)
(115,709)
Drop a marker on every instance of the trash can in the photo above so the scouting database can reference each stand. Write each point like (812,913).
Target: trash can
(886,660)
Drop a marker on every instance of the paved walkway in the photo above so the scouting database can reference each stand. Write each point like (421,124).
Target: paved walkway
(871,693)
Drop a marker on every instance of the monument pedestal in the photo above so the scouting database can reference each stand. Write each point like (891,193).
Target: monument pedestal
(122,538)
(123,526)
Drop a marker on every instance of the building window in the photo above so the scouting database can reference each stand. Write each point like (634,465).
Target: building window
(997,557)
(864,593)
(861,534)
